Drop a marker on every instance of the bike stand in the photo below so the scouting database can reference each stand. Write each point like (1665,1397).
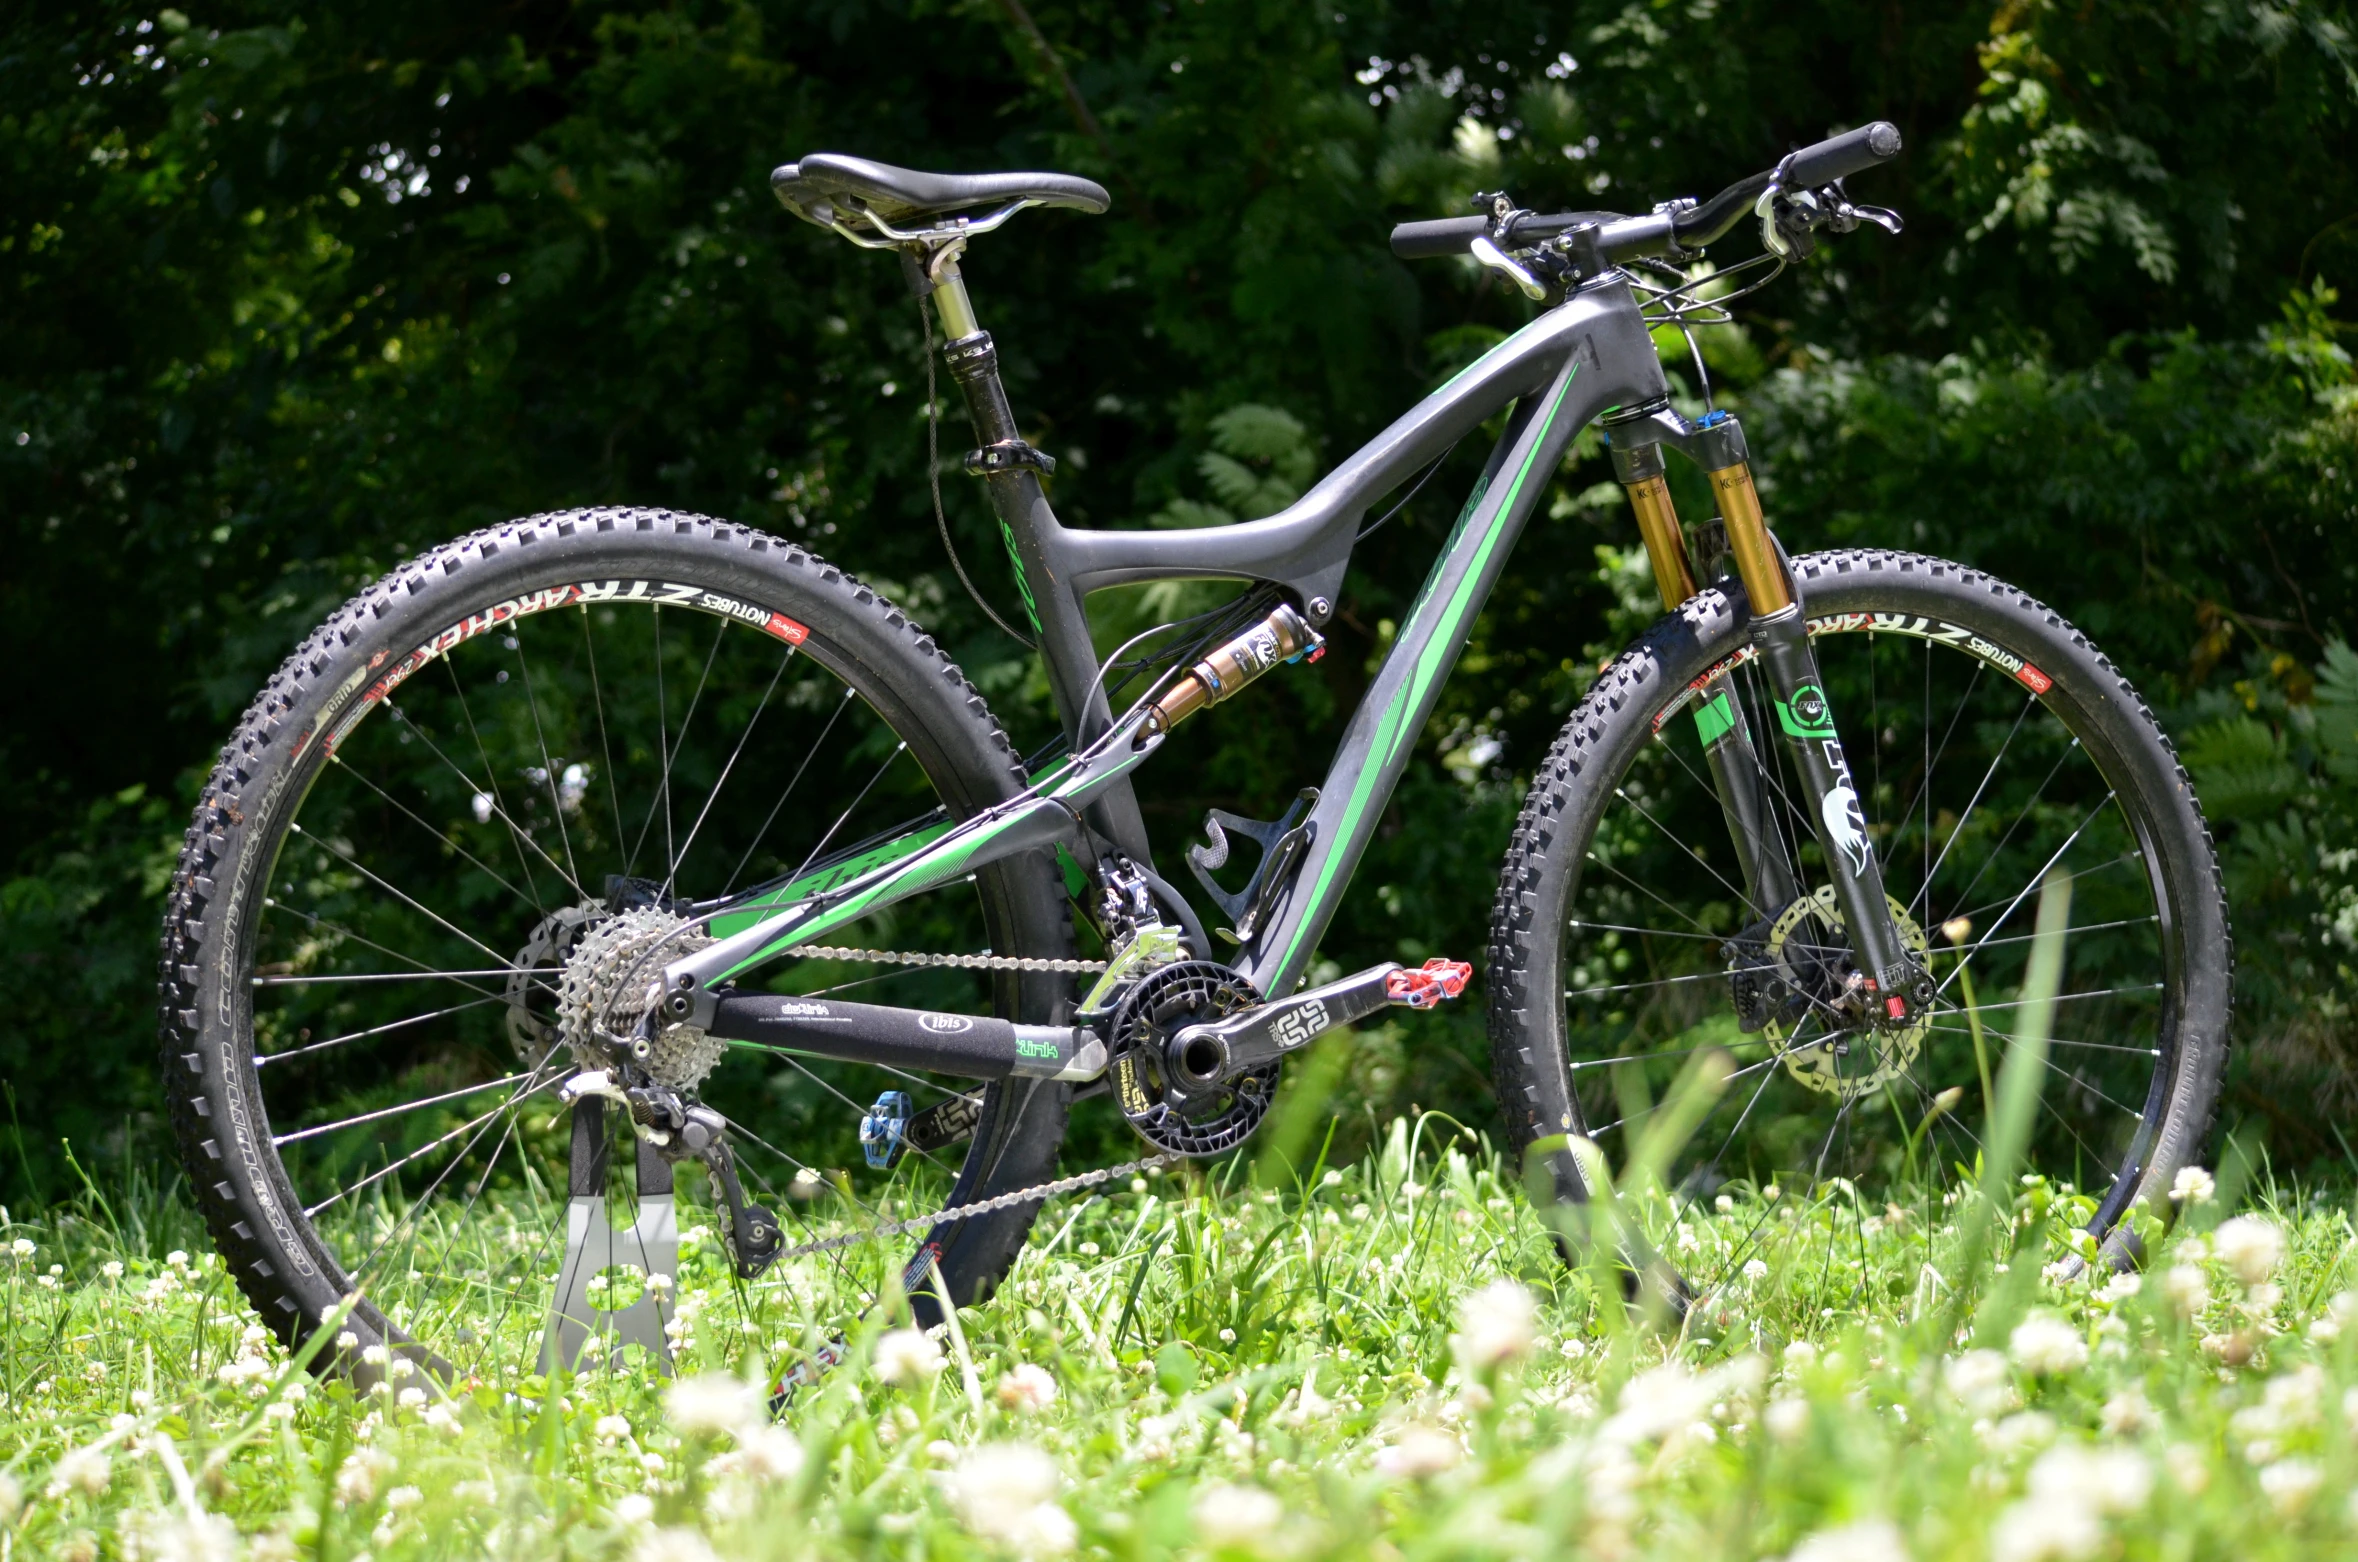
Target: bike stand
(650,1244)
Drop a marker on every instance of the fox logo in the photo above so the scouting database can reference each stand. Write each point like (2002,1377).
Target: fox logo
(1846,824)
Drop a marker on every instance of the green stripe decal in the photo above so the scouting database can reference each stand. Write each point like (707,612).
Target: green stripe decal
(1715,719)
(949,864)
(756,911)
(1392,732)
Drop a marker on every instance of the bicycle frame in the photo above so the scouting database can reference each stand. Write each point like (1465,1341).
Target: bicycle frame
(1587,357)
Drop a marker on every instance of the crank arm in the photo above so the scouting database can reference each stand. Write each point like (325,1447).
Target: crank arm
(1260,1036)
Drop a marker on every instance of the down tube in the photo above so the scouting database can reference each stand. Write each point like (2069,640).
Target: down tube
(1383,732)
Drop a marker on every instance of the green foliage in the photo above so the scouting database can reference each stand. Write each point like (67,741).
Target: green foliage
(292,292)
(1356,1364)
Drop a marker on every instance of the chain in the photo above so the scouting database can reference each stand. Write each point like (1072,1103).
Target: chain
(959,962)
(1040,1192)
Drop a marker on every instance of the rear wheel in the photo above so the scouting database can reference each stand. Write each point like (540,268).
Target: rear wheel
(491,782)
(1991,743)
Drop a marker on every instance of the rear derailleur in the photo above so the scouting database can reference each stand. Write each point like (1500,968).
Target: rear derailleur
(679,1130)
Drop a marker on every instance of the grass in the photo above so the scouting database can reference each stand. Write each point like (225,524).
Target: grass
(1385,1361)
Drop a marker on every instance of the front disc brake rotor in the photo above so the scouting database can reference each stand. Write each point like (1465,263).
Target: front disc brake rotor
(1811,954)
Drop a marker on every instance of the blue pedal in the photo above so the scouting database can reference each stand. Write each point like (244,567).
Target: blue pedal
(884,1132)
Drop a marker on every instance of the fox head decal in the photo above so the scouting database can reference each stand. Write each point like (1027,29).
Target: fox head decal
(1846,825)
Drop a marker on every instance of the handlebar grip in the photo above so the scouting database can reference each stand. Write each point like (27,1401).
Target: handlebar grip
(1441,236)
(1852,152)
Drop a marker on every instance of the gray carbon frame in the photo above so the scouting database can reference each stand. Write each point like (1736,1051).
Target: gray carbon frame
(1584,357)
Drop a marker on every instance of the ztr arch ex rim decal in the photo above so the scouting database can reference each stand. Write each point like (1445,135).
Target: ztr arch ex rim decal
(586,593)
(2021,669)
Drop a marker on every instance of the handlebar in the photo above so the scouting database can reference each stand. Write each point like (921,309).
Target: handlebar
(1838,157)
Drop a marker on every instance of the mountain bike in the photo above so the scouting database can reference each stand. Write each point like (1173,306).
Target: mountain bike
(629,828)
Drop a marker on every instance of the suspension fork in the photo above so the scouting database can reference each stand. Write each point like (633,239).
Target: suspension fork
(1736,772)
(1896,985)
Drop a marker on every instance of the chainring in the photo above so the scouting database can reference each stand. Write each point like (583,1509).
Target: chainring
(1807,949)
(1192,1122)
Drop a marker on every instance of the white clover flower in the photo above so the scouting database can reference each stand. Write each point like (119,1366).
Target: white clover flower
(12,1498)
(2187,1290)
(21,1248)
(84,1470)
(2251,1245)
(1418,1452)
(356,1482)
(2120,1288)
(412,1399)
(2127,1413)
(1029,1388)
(278,1410)
(2291,1484)
(674,1545)
(1786,1418)
(1754,1269)
(2037,1530)
(2194,1186)
(177,1258)
(770,1453)
(347,1341)
(1981,1381)
(1007,1492)
(611,1429)
(403,1498)
(112,1269)
(634,1508)
(2109,1480)
(1868,1540)
(906,1358)
(2047,1346)
(1496,1325)
(712,1403)
(2189,1468)
(1240,1518)
(2021,1431)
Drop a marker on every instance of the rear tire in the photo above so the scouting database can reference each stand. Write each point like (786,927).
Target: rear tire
(222,908)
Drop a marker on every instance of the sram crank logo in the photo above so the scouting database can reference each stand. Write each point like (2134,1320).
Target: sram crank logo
(944,1024)
(651,592)
(1302,1023)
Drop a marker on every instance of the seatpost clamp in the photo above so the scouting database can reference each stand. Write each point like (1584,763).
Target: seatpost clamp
(1008,455)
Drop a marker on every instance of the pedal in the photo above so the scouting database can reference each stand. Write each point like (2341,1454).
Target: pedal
(884,1132)
(1428,986)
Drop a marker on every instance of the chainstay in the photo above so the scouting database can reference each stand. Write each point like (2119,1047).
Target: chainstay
(956,962)
(1037,1192)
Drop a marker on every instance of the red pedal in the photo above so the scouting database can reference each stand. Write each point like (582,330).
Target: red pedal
(1425,988)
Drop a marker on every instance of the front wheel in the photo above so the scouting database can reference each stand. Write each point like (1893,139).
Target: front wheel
(1992,744)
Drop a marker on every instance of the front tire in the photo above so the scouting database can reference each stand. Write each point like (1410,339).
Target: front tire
(1991,741)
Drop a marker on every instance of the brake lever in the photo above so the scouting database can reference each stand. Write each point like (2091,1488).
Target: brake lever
(1514,270)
